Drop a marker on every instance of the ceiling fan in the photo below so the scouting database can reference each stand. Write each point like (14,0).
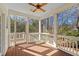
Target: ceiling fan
(38,7)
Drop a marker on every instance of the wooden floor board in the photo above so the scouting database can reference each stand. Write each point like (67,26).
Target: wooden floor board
(18,50)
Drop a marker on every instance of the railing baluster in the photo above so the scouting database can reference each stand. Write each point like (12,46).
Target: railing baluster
(73,47)
(63,43)
(70,46)
(76,47)
(59,42)
(67,46)
(69,43)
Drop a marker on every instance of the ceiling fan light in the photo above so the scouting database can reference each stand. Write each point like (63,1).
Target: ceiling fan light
(38,10)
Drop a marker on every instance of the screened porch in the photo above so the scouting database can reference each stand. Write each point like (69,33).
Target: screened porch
(56,34)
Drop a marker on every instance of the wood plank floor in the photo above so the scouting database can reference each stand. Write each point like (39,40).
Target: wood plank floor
(34,50)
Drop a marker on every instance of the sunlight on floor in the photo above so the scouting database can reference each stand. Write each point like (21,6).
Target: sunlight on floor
(25,45)
(38,48)
(46,45)
(24,50)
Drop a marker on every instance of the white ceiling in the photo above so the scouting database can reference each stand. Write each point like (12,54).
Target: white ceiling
(26,8)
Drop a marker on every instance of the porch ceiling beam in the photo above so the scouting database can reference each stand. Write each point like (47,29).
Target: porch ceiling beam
(14,12)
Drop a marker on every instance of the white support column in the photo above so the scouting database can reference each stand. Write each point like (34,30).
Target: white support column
(39,29)
(46,26)
(55,30)
(27,31)
(14,33)
(9,31)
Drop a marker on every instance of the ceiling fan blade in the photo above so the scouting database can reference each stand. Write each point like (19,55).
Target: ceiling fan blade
(32,4)
(34,10)
(42,10)
(43,4)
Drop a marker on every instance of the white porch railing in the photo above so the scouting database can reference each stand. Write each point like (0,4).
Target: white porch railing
(33,37)
(16,38)
(47,37)
(69,44)
(20,35)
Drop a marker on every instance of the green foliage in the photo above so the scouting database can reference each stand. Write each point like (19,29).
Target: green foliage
(64,29)
(12,25)
(20,27)
(73,33)
(34,27)
(67,30)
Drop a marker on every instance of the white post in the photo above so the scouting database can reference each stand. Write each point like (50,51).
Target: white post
(9,31)
(76,48)
(46,26)
(14,33)
(27,31)
(39,29)
(55,30)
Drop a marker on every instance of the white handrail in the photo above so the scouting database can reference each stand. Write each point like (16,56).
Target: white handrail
(68,44)
(17,35)
(33,36)
(16,38)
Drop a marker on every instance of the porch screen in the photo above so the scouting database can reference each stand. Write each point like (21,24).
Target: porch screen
(33,26)
(67,22)
(47,25)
